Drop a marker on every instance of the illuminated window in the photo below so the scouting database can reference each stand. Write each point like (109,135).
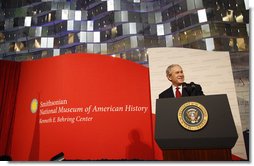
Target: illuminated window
(56,52)
(209,44)
(133,28)
(70,25)
(65,14)
(229,16)
(70,38)
(103,48)
(202,17)
(96,36)
(160,29)
(44,53)
(28,21)
(49,17)
(47,42)
(83,36)
(239,17)
(90,48)
(167,28)
(183,38)
(114,32)
(231,43)
(19,46)
(78,15)
(2,37)
(90,25)
(241,45)
(37,44)
(38,31)
(206,30)
(136,1)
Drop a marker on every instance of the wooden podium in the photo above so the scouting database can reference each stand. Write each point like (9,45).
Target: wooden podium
(197,155)
(210,140)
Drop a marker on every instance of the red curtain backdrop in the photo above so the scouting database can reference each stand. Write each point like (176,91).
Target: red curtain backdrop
(9,79)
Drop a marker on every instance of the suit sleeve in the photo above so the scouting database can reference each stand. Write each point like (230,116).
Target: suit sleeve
(199,91)
(161,96)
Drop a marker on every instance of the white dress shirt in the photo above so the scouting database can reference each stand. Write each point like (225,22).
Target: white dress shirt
(180,89)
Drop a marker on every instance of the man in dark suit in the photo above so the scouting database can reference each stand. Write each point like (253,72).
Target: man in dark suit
(179,88)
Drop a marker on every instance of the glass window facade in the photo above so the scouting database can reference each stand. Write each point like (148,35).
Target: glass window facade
(117,27)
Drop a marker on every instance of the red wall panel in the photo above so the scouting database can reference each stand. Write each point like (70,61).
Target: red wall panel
(84,81)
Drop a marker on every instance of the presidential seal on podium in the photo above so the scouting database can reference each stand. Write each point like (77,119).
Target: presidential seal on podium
(192,116)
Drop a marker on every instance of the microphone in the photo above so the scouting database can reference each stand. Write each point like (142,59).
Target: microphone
(184,85)
(187,88)
(192,85)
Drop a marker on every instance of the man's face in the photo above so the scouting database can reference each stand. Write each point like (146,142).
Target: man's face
(177,76)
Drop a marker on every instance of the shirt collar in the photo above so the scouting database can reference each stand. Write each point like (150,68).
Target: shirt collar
(174,87)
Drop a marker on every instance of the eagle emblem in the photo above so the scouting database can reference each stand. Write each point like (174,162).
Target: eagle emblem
(192,116)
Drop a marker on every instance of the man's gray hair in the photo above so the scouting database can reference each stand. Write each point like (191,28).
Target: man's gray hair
(168,71)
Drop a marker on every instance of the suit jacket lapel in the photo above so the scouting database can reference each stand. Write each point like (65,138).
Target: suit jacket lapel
(171,93)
